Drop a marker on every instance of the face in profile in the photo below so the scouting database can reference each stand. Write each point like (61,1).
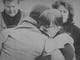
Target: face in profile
(11,8)
(64,12)
(52,21)
(51,29)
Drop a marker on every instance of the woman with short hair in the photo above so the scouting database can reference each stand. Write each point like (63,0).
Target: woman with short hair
(68,24)
(51,25)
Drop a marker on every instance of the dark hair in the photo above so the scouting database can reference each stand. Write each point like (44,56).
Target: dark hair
(68,7)
(47,17)
(46,22)
(36,11)
(11,1)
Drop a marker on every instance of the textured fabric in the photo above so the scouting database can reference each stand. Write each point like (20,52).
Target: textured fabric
(11,21)
(28,43)
(59,42)
(75,34)
(2,23)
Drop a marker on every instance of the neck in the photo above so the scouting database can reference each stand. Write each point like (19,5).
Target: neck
(53,31)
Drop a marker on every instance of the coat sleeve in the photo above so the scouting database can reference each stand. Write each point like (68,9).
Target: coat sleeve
(53,45)
(3,37)
(58,42)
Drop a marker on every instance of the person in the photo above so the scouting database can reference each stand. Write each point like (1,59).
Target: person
(36,11)
(19,43)
(51,24)
(26,42)
(68,23)
(11,15)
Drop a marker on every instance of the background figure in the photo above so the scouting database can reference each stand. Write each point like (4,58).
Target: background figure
(36,11)
(68,24)
(11,16)
(52,25)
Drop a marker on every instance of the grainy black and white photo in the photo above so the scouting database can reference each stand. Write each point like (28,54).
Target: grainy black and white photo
(39,29)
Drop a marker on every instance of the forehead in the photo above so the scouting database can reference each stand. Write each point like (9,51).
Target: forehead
(61,7)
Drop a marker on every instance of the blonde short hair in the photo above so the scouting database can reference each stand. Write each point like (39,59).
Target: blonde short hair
(52,15)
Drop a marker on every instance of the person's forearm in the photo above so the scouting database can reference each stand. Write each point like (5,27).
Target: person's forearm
(68,52)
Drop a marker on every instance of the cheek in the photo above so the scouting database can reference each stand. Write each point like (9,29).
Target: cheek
(7,9)
(65,15)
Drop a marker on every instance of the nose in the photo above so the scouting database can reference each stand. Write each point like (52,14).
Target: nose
(11,10)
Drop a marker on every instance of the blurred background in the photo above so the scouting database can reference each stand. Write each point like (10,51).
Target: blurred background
(26,5)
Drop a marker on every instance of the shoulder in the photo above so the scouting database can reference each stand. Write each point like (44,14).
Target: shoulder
(64,35)
(76,28)
(58,42)
(29,19)
(64,38)
(75,31)
(25,17)
(23,14)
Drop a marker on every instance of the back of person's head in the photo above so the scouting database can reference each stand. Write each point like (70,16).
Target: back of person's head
(37,10)
(4,1)
(67,6)
(52,16)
